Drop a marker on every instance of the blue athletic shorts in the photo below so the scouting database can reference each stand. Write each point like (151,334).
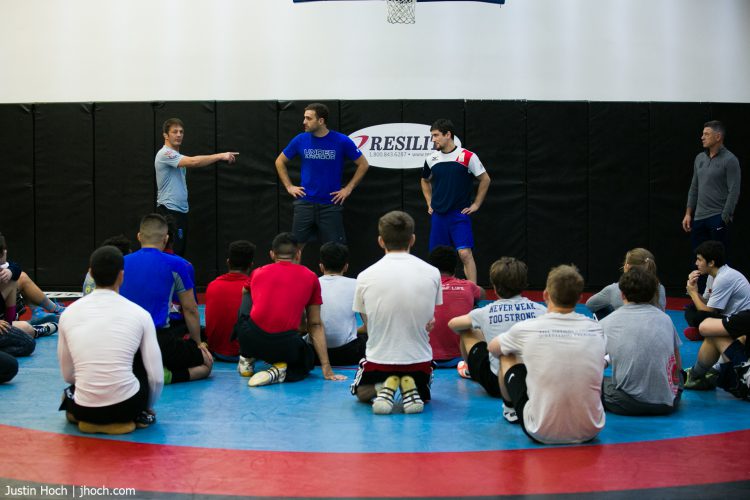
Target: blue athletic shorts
(452,229)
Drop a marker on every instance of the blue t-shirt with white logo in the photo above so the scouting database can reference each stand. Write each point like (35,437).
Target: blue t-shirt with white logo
(170,180)
(151,277)
(322,162)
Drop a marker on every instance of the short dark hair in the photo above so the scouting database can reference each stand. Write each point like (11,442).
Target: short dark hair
(334,256)
(320,110)
(171,122)
(444,126)
(716,126)
(120,241)
(712,250)
(106,263)
(396,228)
(564,285)
(241,254)
(445,258)
(638,285)
(153,228)
(3,244)
(284,245)
(508,277)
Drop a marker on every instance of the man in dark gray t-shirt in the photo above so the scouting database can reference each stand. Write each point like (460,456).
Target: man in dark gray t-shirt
(714,190)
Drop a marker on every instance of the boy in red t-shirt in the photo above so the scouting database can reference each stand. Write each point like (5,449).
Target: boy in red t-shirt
(280,293)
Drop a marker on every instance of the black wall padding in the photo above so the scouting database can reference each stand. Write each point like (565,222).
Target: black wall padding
(64,164)
(378,193)
(618,186)
(578,182)
(496,131)
(200,139)
(736,119)
(675,130)
(246,193)
(17,181)
(124,187)
(291,114)
(557,163)
(427,112)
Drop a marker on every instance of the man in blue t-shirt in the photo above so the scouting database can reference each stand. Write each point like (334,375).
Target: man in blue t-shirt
(171,166)
(447,184)
(151,277)
(319,200)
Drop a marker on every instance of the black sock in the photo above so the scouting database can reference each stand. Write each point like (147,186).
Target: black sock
(699,370)
(736,353)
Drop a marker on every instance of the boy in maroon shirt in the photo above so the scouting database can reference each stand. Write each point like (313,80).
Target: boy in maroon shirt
(459,297)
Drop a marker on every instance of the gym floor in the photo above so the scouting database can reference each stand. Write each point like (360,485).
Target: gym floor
(217,438)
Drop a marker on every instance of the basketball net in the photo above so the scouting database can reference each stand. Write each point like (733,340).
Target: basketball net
(401,11)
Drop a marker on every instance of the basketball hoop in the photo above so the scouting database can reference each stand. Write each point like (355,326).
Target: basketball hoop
(401,11)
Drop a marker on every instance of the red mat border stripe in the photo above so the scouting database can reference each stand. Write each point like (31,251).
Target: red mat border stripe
(45,457)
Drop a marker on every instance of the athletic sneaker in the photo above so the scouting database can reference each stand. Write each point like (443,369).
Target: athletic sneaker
(705,383)
(383,402)
(44,330)
(737,385)
(144,419)
(410,395)
(245,366)
(463,369)
(274,375)
(39,316)
(510,414)
(692,333)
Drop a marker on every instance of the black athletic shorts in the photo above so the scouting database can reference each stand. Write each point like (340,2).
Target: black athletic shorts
(178,353)
(282,347)
(515,383)
(738,324)
(124,411)
(348,354)
(478,361)
(325,221)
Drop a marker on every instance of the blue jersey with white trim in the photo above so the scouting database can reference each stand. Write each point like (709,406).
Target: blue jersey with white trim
(452,178)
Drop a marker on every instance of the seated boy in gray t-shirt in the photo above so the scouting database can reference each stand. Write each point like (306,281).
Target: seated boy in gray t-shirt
(644,349)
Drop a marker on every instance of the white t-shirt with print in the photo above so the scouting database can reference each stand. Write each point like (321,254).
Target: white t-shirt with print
(496,318)
(564,358)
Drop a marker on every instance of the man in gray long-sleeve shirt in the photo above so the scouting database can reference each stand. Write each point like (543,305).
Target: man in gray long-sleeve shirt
(714,190)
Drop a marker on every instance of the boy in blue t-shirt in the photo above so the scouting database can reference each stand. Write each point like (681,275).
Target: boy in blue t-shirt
(150,278)
(318,201)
